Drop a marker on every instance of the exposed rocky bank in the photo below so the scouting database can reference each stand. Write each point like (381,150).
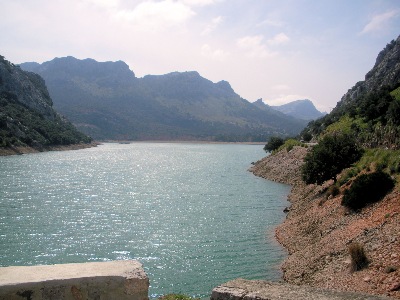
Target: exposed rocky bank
(317,232)
(5,151)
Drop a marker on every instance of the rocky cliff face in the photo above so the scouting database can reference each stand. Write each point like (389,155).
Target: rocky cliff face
(28,88)
(27,119)
(386,71)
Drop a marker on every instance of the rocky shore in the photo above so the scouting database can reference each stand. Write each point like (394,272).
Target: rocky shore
(317,232)
(25,150)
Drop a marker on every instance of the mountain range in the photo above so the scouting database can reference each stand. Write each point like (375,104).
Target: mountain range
(106,101)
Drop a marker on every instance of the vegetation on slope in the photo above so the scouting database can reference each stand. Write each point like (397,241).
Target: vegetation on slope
(361,134)
(21,126)
(27,118)
(373,119)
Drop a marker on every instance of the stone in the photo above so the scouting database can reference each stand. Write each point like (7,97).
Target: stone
(395,287)
(367,279)
(242,289)
(121,280)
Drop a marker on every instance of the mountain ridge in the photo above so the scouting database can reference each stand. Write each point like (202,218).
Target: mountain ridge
(175,106)
(303,109)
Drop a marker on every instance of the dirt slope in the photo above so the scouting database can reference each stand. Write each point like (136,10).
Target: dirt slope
(317,232)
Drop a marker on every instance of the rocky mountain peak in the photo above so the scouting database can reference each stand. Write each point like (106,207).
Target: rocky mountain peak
(303,109)
(225,85)
(62,67)
(386,71)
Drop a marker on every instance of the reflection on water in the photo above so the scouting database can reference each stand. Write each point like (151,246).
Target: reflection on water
(191,213)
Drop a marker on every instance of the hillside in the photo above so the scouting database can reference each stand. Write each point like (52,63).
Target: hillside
(370,110)
(342,227)
(106,101)
(27,118)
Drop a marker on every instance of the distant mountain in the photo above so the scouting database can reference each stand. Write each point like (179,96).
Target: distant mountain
(301,109)
(27,118)
(106,101)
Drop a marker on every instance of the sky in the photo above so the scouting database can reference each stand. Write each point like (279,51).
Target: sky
(277,50)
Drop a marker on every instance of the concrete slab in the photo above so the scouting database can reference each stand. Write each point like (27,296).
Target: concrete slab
(94,280)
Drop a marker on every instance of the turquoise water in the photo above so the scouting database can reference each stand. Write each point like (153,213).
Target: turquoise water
(190,213)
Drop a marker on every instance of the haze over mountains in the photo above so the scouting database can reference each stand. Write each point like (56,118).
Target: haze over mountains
(301,109)
(106,101)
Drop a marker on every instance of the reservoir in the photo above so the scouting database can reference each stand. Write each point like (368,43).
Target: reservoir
(191,213)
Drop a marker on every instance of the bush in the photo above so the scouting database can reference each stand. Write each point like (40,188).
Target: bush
(273,143)
(358,258)
(366,189)
(290,143)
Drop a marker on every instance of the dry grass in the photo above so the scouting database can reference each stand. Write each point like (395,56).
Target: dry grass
(358,258)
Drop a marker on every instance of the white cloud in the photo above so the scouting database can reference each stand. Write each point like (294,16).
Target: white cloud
(104,3)
(278,39)
(254,47)
(212,26)
(217,54)
(379,22)
(151,15)
(198,2)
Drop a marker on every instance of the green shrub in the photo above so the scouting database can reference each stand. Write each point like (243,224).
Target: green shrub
(273,143)
(366,189)
(289,144)
(358,258)
(329,157)
(380,159)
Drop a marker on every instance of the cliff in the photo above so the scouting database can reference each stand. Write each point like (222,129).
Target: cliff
(386,72)
(318,230)
(28,121)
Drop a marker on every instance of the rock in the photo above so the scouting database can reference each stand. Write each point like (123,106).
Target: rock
(390,269)
(241,289)
(395,287)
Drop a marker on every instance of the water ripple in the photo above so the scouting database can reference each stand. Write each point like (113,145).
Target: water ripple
(191,213)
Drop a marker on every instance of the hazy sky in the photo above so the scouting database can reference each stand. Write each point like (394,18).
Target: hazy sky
(278,50)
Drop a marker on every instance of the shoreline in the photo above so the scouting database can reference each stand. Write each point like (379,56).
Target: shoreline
(28,150)
(182,142)
(317,231)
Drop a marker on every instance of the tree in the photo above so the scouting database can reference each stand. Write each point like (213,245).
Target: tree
(329,157)
(273,143)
